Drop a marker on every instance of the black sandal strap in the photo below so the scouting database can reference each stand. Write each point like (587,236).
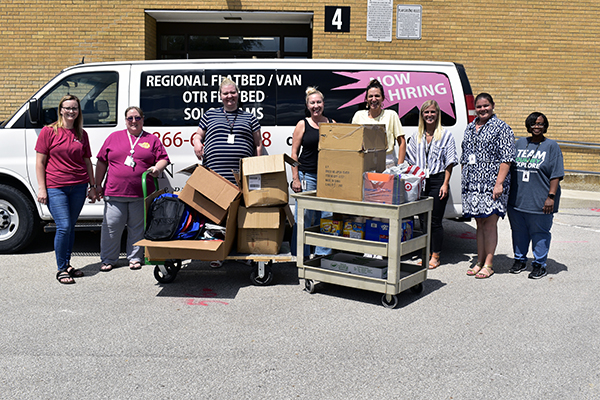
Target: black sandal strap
(63,274)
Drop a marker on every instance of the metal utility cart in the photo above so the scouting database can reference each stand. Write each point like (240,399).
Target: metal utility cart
(400,276)
(166,268)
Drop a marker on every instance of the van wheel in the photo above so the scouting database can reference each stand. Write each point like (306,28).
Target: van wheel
(17,220)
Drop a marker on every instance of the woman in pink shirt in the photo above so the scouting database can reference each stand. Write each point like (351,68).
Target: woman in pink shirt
(122,160)
(63,169)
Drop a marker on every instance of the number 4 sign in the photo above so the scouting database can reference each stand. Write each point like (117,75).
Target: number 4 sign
(337,19)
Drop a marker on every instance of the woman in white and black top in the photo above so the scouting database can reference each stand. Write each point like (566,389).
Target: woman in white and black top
(227,134)
(432,148)
(305,149)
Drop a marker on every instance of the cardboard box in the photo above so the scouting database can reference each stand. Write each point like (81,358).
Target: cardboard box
(353,264)
(205,250)
(378,231)
(261,229)
(353,229)
(352,137)
(208,193)
(382,188)
(346,151)
(332,225)
(372,230)
(264,180)
(408,226)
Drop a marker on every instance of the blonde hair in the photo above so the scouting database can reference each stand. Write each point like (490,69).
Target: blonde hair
(228,82)
(310,91)
(78,125)
(437,134)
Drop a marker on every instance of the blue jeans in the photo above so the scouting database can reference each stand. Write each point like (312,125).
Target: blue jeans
(65,204)
(311,217)
(530,228)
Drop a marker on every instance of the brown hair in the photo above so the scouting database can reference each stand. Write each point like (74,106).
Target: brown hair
(78,125)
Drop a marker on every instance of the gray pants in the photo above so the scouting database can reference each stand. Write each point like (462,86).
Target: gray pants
(118,213)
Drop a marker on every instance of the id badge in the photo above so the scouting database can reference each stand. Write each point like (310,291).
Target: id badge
(231,138)
(129,161)
(472,159)
(525,176)
(303,185)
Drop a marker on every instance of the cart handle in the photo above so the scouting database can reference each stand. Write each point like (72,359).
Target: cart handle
(144,185)
(145,191)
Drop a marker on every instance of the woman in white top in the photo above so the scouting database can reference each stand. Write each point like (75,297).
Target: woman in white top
(375,114)
(432,148)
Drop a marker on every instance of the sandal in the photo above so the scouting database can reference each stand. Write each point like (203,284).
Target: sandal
(74,272)
(216,264)
(434,262)
(475,270)
(106,267)
(63,277)
(485,272)
(135,265)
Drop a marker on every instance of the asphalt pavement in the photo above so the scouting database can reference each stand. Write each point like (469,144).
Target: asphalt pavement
(211,334)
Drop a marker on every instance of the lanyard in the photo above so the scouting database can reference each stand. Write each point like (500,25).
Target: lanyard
(231,124)
(132,150)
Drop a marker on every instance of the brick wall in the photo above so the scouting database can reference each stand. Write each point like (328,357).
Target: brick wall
(530,55)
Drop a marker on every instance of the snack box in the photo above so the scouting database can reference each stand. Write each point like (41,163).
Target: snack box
(354,264)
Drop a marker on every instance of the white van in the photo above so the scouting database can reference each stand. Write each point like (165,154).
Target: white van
(174,94)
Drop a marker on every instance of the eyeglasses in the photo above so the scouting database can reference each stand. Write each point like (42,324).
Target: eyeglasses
(539,124)
(72,109)
(137,118)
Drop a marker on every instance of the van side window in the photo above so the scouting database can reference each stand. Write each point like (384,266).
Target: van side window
(97,92)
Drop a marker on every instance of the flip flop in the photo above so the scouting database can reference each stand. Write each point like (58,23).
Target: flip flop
(106,267)
(135,265)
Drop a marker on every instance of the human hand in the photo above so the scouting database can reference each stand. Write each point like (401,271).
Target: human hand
(154,172)
(548,205)
(443,191)
(42,196)
(497,192)
(296,185)
(92,194)
(199,150)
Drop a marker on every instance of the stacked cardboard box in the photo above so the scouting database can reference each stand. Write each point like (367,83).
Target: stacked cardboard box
(346,151)
(261,222)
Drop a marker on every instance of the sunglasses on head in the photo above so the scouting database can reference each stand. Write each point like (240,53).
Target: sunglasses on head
(137,118)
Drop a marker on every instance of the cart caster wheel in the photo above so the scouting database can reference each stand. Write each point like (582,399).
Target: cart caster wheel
(309,286)
(172,267)
(265,280)
(418,288)
(389,304)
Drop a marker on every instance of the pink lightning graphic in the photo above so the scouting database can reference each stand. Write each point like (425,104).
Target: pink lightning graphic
(407,89)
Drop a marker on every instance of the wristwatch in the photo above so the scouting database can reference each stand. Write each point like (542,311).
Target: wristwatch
(551,196)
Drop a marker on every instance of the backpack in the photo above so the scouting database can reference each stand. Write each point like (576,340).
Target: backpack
(170,219)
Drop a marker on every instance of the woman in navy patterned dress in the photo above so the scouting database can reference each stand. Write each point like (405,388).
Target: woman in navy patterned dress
(488,149)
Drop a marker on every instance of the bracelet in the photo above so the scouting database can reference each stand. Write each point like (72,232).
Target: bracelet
(93,186)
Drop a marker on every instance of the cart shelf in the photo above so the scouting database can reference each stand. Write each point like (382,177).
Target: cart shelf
(400,276)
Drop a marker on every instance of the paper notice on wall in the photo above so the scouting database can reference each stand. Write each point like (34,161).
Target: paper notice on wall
(380,15)
(254,182)
(409,21)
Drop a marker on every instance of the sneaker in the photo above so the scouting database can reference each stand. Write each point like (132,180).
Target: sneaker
(538,271)
(518,266)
